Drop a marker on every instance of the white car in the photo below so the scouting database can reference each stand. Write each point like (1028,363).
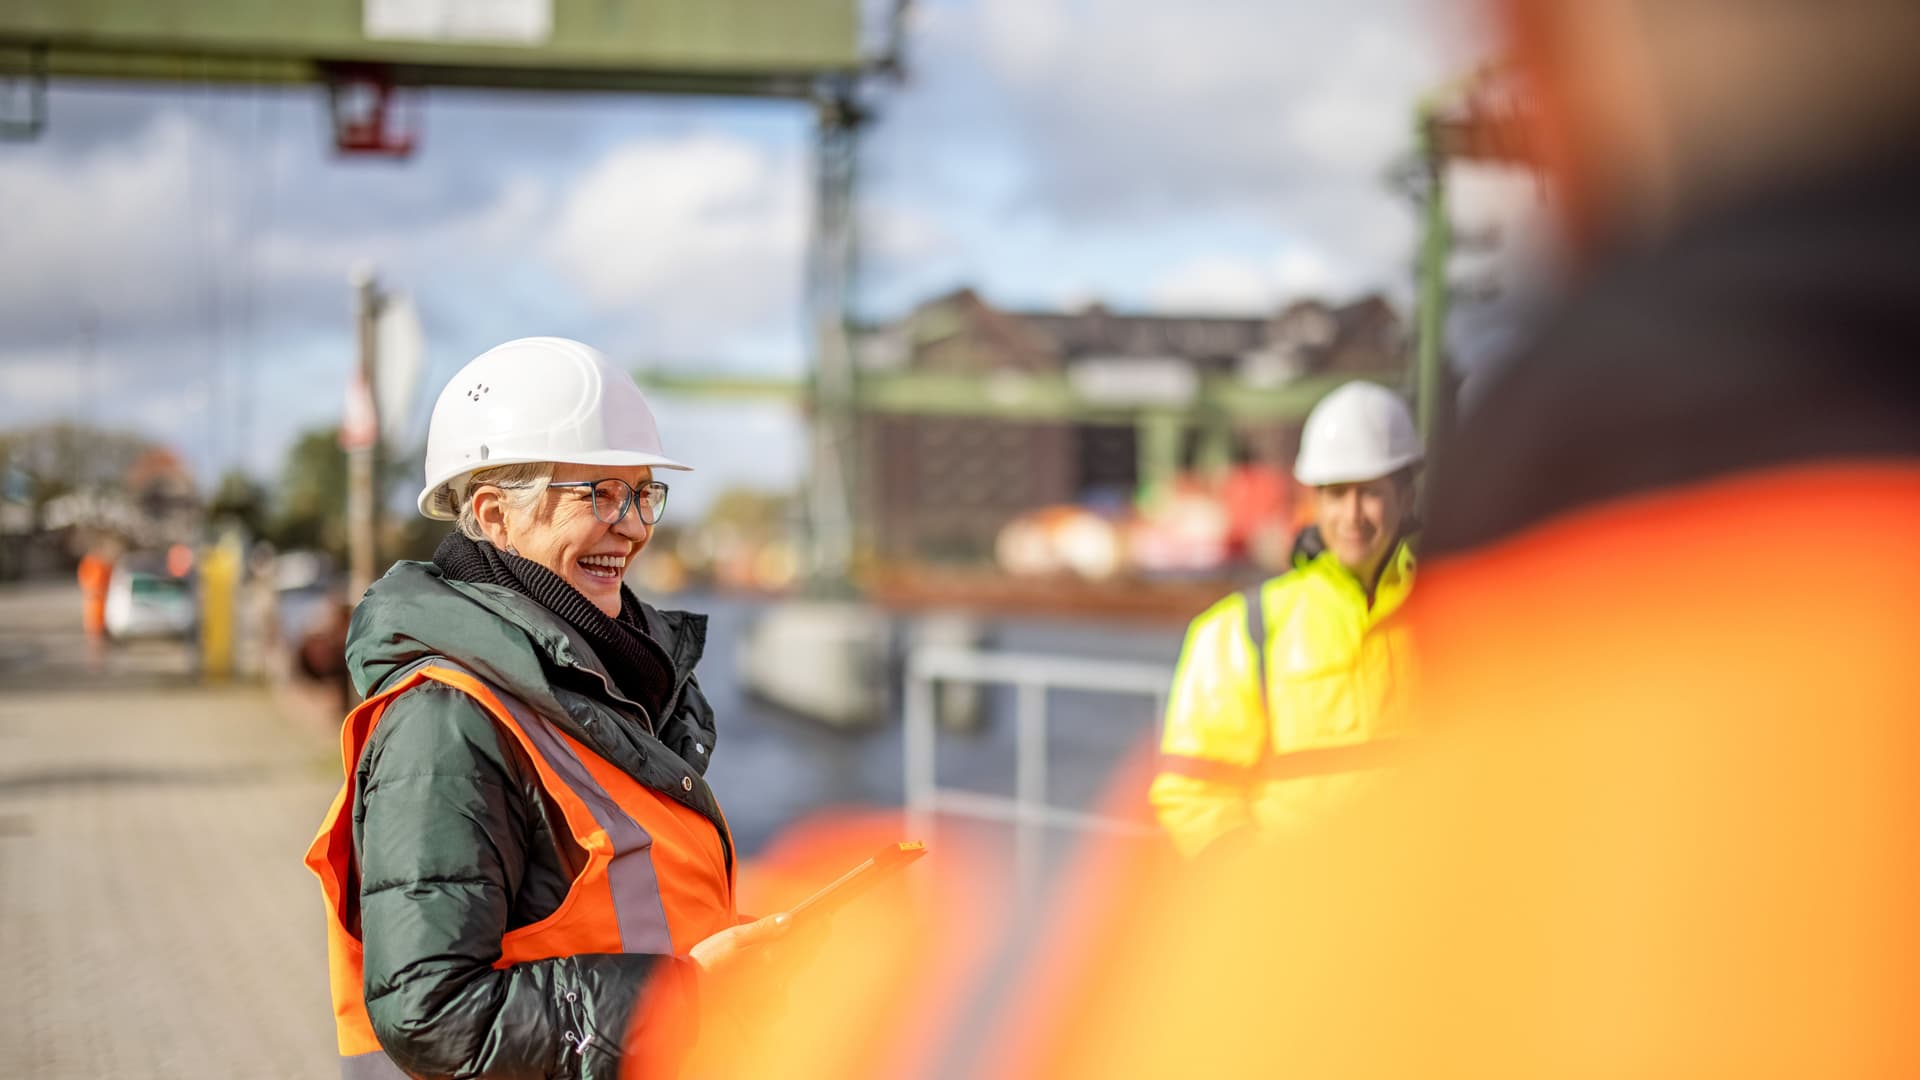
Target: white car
(145,605)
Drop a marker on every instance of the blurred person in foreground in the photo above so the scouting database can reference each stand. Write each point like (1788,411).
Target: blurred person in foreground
(1284,691)
(526,873)
(1663,818)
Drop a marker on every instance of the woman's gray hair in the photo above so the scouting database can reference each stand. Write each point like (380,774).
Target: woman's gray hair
(520,485)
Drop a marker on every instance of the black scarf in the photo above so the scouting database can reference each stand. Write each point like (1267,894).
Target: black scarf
(639,666)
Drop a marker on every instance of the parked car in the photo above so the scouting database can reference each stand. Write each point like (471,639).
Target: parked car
(145,604)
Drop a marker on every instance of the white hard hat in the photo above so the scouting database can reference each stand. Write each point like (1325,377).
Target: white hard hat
(535,399)
(1361,431)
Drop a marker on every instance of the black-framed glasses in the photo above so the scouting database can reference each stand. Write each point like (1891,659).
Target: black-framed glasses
(613,497)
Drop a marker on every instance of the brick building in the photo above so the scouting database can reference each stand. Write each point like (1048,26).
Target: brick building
(973,414)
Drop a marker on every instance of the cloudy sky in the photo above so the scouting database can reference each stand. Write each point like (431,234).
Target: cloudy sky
(176,259)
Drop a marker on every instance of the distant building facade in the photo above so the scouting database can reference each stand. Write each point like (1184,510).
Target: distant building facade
(939,481)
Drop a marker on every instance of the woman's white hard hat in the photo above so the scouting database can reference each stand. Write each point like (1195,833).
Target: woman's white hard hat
(1362,431)
(535,399)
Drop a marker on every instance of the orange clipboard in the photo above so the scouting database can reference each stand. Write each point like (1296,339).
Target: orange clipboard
(881,865)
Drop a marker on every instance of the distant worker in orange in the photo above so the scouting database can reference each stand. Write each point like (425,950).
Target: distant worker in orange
(1290,681)
(96,573)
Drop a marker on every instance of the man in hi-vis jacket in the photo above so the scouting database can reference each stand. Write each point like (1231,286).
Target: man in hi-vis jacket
(1283,692)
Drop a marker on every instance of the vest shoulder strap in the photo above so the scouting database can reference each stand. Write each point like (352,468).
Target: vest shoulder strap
(404,673)
(1254,595)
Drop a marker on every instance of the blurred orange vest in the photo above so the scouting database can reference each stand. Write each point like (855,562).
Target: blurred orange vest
(656,878)
(1663,826)
(96,573)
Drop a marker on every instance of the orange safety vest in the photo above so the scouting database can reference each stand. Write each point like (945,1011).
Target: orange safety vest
(96,573)
(656,878)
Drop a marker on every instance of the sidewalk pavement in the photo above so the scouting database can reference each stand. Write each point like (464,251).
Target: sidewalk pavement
(155,918)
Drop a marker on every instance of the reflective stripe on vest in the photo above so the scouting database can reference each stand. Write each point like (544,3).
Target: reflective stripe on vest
(636,889)
(616,903)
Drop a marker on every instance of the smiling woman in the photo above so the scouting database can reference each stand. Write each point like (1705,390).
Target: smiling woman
(525,849)
(581,525)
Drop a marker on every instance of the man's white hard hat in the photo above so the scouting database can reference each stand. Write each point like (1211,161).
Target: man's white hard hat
(1362,431)
(535,399)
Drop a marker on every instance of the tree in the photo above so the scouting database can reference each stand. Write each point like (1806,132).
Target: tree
(51,460)
(310,507)
(241,500)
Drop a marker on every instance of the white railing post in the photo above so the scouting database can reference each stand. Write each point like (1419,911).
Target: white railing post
(1029,782)
(917,741)
(1028,811)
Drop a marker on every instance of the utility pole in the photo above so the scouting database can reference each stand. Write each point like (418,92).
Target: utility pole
(1436,246)
(360,438)
(832,492)
(1481,117)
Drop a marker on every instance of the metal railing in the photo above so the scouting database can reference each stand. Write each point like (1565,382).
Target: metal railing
(1032,676)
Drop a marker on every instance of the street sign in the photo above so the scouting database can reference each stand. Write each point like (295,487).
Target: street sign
(399,358)
(358,429)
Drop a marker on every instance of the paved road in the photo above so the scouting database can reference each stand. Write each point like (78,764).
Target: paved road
(155,920)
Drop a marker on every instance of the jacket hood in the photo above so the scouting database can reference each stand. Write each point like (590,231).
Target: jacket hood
(416,612)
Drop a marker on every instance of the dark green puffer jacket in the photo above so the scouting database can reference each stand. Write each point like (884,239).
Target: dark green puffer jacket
(456,842)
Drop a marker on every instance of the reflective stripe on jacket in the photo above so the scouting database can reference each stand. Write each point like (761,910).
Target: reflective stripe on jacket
(1333,662)
(656,878)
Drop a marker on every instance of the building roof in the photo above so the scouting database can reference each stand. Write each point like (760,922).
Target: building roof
(961,331)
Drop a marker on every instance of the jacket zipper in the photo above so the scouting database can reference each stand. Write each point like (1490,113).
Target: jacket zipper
(679,685)
(718,819)
(645,717)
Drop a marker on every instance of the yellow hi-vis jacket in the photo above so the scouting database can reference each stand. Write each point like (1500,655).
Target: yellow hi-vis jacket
(1334,666)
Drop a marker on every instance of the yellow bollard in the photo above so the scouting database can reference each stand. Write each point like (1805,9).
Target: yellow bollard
(219,586)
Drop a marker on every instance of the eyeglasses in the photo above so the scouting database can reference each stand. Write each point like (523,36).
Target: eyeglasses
(612,498)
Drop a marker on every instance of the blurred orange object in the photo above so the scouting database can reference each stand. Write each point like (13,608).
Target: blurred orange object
(96,572)
(878,994)
(1662,827)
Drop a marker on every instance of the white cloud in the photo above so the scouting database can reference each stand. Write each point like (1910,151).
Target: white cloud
(1230,285)
(495,232)
(1214,284)
(40,383)
(1180,127)
(897,231)
(1299,272)
(701,237)
(1149,104)
(111,230)
(185,231)
(177,414)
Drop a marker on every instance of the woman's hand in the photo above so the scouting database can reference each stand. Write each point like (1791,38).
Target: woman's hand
(725,950)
